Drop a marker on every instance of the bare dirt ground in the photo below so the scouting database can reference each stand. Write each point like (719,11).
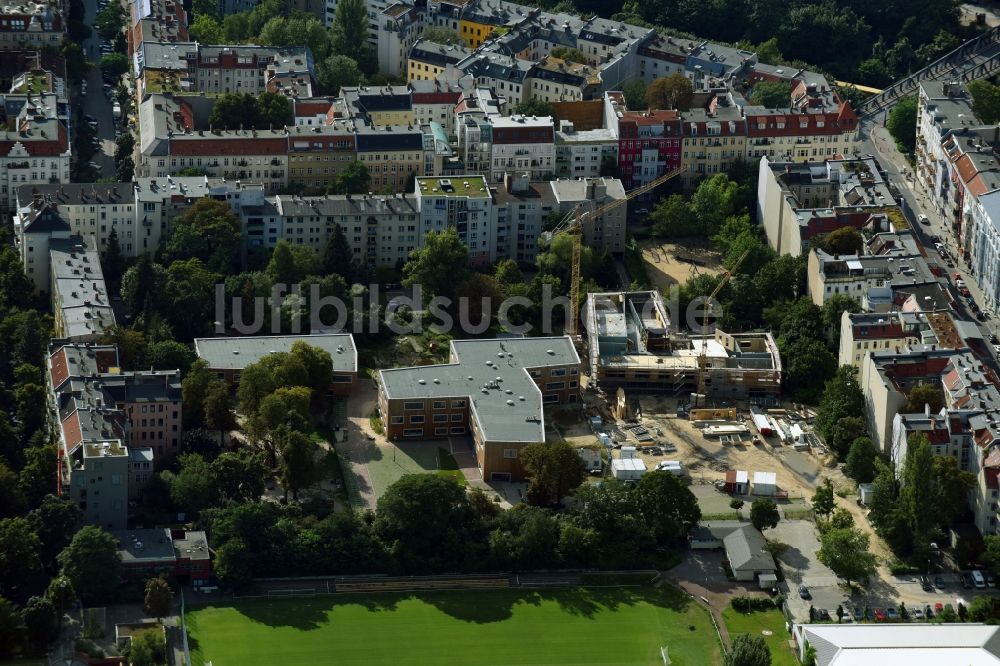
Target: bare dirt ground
(669,263)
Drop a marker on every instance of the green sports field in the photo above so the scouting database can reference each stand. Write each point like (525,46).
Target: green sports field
(515,627)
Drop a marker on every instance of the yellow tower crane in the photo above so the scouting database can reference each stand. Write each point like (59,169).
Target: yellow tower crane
(572,225)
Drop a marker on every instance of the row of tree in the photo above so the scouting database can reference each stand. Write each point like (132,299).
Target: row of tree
(429,524)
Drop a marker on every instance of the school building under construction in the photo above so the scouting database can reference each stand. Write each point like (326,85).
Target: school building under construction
(633,344)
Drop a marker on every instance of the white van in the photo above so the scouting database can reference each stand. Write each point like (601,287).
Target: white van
(978,580)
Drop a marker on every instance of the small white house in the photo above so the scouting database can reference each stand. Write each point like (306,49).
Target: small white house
(629,452)
(628,469)
(764,483)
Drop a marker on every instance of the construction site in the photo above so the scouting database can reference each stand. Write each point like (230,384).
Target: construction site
(634,344)
(704,407)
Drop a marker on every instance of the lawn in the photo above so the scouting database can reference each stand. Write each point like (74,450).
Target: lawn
(401,458)
(512,627)
(760,621)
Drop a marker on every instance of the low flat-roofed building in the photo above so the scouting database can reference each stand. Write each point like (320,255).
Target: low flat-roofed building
(151,552)
(146,552)
(899,644)
(495,390)
(229,356)
(634,345)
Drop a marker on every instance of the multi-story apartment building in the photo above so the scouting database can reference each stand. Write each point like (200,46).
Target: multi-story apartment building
(31,24)
(394,155)
(479,19)
(382,229)
(428,60)
(557,80)
(522,145)
(605,232)
(397,29)
(705,63)
(388,105)
(112,427)
(155,21)
(90,210)
(81,304)
(713,139)
(797,202)
(169,143)
(585,153)
(975,208)
(857,275)
(495,390)
(151,403)
(900,331)
(649,142)
(817,125)
(462,202)
(34,140)
(521,208)
(886,378)
(188,67)
(316,154)
(435,102)
(493,68)
(944,110)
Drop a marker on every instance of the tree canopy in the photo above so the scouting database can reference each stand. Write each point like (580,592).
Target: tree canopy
(673,91)
(902,124)
(92,564)
(439,265)
(209,231)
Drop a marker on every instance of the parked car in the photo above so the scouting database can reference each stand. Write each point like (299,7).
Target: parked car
(993,338)
(917,613)
(891,614)
(938,607)
(923,219)
(990,581)
(824,614)
(939,582)
(925,583)
(847,617)
(977,576)
(966,581)
(804,592)
(880,615)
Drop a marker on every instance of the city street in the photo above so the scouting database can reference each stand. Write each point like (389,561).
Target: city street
(95,103)
(879,144)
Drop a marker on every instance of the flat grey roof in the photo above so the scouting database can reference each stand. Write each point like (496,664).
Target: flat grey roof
(137,546)
(236,353)
(509,410)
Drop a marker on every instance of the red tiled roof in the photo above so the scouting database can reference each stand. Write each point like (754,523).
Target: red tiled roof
(190,145)
(72,432)
(990,474)
(652,117)
(439,97)
(311,108)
